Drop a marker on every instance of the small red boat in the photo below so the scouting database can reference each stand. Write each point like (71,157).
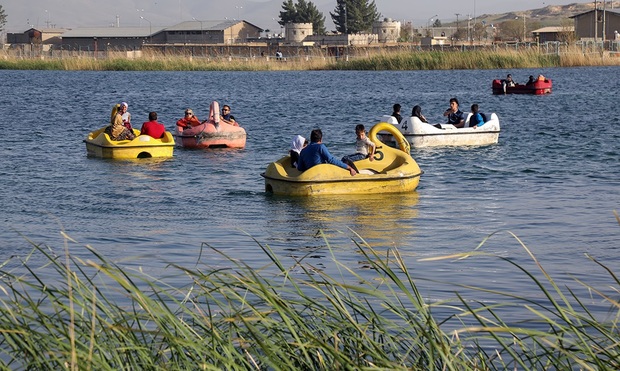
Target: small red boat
(212,133)
(539,87)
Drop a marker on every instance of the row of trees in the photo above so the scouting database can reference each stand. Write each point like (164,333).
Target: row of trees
(349,16)
(356,16)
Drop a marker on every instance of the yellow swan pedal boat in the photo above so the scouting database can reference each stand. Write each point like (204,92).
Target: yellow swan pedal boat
(99,144)
(392,171)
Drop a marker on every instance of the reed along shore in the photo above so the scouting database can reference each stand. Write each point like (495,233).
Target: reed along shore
(383,60)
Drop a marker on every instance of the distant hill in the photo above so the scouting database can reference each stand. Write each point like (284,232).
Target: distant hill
(552,15)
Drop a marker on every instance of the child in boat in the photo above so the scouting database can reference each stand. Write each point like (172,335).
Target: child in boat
(476,118)
(297,145)
(364,148)
(396,113)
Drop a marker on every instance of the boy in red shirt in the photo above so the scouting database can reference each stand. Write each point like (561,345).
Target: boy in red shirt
(152,127)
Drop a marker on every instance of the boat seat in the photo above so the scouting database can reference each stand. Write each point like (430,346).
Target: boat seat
(389,119)
(368,171)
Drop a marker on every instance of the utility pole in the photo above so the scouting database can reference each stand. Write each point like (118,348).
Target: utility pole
(457,21)
(595,22)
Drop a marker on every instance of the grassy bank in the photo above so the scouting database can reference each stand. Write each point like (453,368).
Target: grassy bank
(396,60)
(88,312)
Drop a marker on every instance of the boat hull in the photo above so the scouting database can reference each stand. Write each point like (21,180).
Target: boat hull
(420,134)
(392,171)
(99,144)
(208,135)
(539,87)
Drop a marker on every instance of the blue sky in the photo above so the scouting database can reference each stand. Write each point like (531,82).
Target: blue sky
(22,14)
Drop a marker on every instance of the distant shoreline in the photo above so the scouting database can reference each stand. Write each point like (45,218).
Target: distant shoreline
(386,61)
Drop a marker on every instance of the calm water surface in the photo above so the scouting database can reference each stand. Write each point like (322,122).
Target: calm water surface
(553,180)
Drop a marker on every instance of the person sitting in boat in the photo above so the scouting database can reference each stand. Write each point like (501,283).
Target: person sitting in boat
(117,130)
(508,81)
(152,127)
(455,115)
(189,120)
(530,81)
(126,115)
(396,113)
(364,148)
(477,117)
(227,117)
(417,112)
(316,153)
(297,145)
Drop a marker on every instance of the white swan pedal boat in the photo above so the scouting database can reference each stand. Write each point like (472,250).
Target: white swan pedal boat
(420,134)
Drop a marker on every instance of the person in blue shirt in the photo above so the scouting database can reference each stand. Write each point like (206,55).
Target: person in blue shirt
(316,153)
(455,115)
(476,118)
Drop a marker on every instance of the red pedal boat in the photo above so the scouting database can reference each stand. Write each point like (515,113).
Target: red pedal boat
(539,87)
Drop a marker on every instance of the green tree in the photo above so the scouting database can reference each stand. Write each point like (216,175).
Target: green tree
(409,34)
(479,31)
(2,18)
(511,30)
(302,12)
(567,32)
(354,16)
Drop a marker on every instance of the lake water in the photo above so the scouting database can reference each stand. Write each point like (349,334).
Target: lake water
(553,179)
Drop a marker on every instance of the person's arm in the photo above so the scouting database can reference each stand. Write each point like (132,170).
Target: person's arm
(334,161)
(373,147)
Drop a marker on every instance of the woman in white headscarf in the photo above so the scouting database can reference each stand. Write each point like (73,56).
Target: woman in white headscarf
(297,145)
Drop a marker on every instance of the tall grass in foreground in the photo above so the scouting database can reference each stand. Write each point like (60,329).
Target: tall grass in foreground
(89,313)
(381,60)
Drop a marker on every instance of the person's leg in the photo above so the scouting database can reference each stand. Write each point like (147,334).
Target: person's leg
(347,160)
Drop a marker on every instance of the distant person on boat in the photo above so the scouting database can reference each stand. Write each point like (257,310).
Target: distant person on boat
(152,127)
(117,130)
(297,145)
(508,82)
(454,114)
(126,115)
(189,120)
(477,117)
(417,112)
(364,148)
(316,153)
(227,117)
(396,113)
(531,81)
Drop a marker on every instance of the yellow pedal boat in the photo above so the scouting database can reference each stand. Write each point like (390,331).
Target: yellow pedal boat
(392,171)
(99,144)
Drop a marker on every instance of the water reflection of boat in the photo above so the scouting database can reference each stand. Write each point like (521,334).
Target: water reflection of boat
(392,171)
(382,220)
